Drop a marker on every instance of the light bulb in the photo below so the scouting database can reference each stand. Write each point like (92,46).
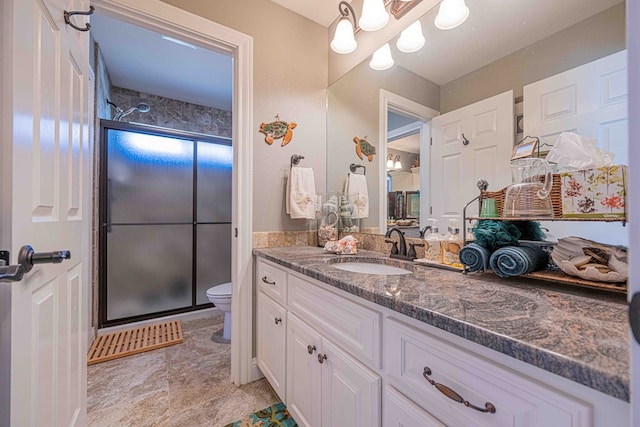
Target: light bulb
(343,40)
(451,14)
(411,39)
(397,164)
(390,162)
(381,59)
(374,15)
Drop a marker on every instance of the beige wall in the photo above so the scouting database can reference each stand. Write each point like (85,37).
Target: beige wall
(593,38)
(353,111)
(289,79)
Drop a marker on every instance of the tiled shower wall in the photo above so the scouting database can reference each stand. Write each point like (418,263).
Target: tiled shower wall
(173,114)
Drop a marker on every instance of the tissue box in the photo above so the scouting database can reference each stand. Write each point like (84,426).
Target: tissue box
(595,193)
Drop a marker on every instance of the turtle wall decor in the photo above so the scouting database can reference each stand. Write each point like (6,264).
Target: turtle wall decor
(364,148)
(278,129)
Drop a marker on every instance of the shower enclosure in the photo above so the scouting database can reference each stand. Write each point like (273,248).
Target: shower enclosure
(165,221)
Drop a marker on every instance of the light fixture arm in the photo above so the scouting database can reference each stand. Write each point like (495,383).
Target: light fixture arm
(346,10)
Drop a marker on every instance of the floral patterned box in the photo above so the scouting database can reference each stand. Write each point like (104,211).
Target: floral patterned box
(595,193)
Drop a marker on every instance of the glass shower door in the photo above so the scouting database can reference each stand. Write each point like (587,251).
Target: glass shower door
(149,224)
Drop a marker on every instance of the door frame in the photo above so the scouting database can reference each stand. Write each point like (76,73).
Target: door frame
(170,20)
(389,101)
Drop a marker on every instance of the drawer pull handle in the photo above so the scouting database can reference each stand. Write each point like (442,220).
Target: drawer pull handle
(322,357)
(278,320)
(265,280)
(451,394)
(311,349)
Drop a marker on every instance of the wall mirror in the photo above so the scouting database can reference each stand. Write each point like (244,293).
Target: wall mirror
(501,47)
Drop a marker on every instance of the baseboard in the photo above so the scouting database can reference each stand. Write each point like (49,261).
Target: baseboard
(254,372)
(191,315)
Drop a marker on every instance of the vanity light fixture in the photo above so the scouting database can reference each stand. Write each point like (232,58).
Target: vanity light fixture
(451,14)
(397,164)
(382,59)
(374,15)
(344,40)
(390,161)
(411,39)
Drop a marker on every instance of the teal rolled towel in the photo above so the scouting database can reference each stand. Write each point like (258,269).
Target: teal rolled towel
(518,260)
(475,257)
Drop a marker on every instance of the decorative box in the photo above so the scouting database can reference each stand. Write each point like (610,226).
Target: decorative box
(595,193)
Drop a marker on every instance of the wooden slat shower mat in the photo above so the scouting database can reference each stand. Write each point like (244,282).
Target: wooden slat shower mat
(132,341)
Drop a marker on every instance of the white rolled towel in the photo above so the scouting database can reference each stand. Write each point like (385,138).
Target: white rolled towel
(301,193)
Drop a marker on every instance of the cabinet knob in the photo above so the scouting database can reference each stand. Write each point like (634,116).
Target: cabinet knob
(278,320)
(267,281)
(311,349)
(453,395)
(322,357)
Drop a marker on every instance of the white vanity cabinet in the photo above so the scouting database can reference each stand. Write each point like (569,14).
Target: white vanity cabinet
(321,376)
(440,376)
(342,361)
(325,385)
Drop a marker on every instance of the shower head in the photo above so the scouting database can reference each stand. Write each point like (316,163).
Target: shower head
(141,107)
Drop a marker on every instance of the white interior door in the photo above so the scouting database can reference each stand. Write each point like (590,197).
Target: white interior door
(590,100)
(47,175)
(456,164)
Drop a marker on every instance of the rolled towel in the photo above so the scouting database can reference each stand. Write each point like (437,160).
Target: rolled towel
(475,257)
(518,260)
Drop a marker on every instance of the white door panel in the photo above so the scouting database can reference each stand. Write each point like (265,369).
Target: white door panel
(49,176)
(487,125)
(590,100)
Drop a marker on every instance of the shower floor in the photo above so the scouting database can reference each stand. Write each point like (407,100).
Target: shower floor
(183,385)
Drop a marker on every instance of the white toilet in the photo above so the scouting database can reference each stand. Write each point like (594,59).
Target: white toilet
(220,295)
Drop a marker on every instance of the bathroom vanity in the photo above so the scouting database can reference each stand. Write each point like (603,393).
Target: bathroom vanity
(436,347)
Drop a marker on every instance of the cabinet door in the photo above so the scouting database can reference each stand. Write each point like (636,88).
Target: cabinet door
(271,340)
(350,391)
(401,412)
(303,373)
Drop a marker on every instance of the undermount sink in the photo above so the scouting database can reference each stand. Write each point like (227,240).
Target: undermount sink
(368,268)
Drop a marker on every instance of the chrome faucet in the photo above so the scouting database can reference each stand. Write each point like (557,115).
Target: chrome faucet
(402,251)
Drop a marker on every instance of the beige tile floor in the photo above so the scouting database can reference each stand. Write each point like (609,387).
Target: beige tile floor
(182,385)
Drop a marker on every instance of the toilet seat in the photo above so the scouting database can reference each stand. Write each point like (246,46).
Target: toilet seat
(220,291)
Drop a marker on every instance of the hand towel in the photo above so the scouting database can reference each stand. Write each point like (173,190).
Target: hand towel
(475,257)
(517,260)
(355,187)
(301,193)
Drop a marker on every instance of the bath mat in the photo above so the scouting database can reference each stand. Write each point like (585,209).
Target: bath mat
(132,341)
(274,416)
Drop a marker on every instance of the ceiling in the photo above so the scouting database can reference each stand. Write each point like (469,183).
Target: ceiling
(139,59)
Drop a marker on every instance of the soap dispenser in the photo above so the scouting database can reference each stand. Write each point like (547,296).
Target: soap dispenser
(432,242)
(451,245)
(470,237)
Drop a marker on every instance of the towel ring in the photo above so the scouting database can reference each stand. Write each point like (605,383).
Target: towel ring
(295,159)
(354,167)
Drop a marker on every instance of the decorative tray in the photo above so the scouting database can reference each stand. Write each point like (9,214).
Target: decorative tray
(560,277)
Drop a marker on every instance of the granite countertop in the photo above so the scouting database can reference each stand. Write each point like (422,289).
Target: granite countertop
(576,333)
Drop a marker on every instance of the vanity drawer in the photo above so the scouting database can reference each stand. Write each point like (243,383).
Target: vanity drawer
(272,280)
(414,358)
(353,327)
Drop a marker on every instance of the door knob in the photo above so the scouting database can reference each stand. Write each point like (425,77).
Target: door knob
(27,257)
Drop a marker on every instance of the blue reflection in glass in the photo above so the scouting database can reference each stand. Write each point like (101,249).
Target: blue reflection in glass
(215,155)
(153,148)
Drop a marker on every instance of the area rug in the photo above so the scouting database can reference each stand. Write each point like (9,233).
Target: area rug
(274,416)
(133,341)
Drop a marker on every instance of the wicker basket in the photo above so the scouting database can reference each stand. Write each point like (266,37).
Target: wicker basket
(556,197)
